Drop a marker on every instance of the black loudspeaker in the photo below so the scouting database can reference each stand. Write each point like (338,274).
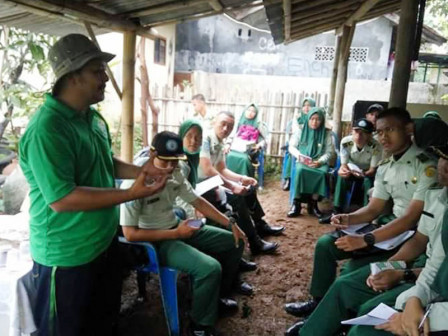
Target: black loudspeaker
(361,106)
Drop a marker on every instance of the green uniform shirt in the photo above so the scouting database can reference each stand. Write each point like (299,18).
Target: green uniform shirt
(211,149)
(61,150)
(436,203)
(406,179)
(369,156)
(156,211)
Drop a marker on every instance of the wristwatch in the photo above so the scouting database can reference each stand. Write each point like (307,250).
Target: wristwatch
(232,221)
(409,275)
(369,238)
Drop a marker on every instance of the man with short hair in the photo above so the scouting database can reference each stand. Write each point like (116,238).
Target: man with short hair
(404,177)
(360,156)
(182,245)
(200,112)
(66,157)
(245,203)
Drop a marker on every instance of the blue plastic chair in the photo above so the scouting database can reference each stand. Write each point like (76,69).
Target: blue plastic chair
(260,169)
(167,282)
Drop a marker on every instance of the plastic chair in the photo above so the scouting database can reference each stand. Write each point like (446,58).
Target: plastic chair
(167,282)
(287,158)
(260,169)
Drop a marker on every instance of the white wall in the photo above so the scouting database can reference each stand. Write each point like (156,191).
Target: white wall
(161,74)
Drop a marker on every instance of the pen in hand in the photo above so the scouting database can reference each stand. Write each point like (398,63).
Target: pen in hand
(428,309)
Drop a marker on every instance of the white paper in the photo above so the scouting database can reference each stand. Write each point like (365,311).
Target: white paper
(377,316)
(240,145)
(208,184)
(354,168)
(394,242)
(351,230)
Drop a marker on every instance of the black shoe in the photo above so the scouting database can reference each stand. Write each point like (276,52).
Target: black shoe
(264,229)
(294,329)
(247,266)
(198,330)
(244,288)
(301,309)
(326,219)
(260,246)
(286,184)
(295,210)
(313,209)
(227,306)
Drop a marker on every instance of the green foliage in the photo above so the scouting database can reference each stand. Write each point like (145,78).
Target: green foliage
(23,53)
(272,167)
(116,140)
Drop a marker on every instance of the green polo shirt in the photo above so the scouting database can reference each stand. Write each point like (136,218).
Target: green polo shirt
(60,150)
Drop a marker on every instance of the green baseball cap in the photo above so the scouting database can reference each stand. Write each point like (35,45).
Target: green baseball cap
(72,52)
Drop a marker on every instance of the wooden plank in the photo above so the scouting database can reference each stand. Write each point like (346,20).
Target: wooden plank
(162,8)
(404,53)
(216,5)
(360,12)
(287,20)
(299,12)
(343,12)
(334,74)
(127,112)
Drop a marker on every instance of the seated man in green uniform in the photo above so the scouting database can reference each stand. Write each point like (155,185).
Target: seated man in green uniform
(250,213)
(183,245)
(404,177)
(431,289)
(360,292)
(358,150)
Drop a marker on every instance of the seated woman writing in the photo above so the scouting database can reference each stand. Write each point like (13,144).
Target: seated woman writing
(312,147)
(251,133)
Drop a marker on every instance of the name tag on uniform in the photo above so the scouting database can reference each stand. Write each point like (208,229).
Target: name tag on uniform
(151,201)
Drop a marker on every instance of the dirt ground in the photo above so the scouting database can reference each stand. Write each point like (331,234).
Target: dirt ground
(280,278)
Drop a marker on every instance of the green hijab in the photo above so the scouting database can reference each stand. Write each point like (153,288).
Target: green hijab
(312,142)
(301,120)
(252,122)
(192,158)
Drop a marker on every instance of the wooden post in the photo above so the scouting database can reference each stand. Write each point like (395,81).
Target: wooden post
(334,75)
(127,103)
(144,91)
(404,52)
(346,41)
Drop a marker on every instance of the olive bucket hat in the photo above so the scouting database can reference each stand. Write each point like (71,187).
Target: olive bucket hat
(72,52)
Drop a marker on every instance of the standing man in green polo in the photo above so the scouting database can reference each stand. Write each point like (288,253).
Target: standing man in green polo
(66,157)
(360,156)
(404,177)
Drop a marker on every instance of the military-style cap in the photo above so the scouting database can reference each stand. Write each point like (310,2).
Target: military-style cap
(364,125)
(375,107)
(432,114)
(72,52)
(168,146)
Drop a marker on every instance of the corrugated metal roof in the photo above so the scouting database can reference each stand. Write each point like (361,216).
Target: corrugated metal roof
(60,17)
(314,17)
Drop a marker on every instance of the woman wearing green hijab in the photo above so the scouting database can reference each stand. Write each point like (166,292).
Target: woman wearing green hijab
(307,104)
(249,128)
(313,147)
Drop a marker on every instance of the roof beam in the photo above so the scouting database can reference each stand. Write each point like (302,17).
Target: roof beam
(317,29)
(378,11)
(287,20)
(79,15)
(343,12)
(163,8)
(359,13)
(216,5)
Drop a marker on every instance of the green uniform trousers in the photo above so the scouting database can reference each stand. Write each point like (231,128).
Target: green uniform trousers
(348,296)
(308,181)
(287,165)
(343,184)
(326,255)
(240,163)
(196,257)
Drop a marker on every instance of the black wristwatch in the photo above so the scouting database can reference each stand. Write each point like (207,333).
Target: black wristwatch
(369,238)
(409,275)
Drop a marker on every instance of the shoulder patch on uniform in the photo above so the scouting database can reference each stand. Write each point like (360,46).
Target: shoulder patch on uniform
(422,157)
(430,171)
(350,143)
(382,162)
